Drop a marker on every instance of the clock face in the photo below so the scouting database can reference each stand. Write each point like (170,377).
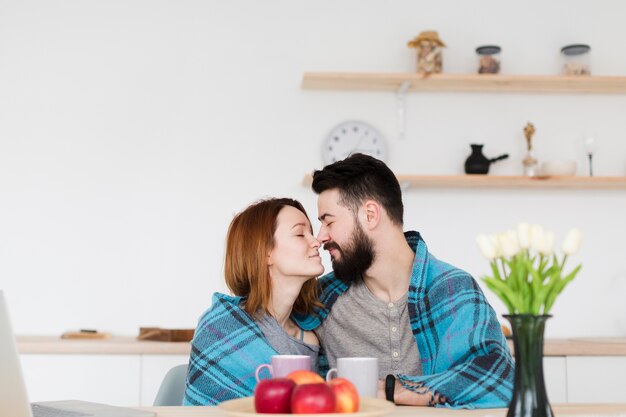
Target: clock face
(352,137)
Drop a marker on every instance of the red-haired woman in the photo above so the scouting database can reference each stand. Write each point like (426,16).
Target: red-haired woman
(272,260)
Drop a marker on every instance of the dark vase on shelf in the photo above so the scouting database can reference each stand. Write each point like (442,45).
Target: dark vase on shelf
(529,390)
(477,163)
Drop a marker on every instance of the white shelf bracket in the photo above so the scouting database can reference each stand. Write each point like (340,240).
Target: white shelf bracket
(401,107)
(405,185)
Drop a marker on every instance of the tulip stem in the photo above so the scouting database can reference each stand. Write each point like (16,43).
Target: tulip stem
(503,269)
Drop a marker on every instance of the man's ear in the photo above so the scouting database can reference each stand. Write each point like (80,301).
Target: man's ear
(372,212)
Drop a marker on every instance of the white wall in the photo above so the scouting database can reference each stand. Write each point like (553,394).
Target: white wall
(131,131)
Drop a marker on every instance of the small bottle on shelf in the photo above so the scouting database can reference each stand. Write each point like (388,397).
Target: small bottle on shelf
(488,59)
(576,59)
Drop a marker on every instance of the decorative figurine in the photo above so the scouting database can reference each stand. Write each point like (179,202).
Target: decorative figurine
(530,163)
(429,48)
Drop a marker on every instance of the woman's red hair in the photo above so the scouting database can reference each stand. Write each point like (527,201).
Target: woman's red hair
(248,244)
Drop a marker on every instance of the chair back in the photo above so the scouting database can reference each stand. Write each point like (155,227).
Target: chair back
(172,389)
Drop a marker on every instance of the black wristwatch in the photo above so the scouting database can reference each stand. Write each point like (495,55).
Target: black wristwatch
(390,385)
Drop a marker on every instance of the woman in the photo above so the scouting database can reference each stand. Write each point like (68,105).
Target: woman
(272,258)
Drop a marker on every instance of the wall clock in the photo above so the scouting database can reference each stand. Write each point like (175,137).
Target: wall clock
(352,137)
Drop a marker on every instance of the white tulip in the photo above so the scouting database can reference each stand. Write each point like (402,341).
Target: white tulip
(537,238)
(572,242)
(486,247)
(548,248)
(523,235)
(513,237)
(508,244)
(496,244)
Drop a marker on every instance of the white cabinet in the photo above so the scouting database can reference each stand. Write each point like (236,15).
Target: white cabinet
(120,371)
(153,369)
(133,379)
(585,379)
(555,378)
(596,379)
(125,380)
(111,379)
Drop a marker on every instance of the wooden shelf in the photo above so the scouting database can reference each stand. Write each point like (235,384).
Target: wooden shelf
(470,83)
(504,182)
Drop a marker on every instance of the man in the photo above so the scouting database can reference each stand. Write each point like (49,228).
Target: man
(427,322)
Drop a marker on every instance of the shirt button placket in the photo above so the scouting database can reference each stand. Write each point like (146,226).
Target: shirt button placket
(395,339)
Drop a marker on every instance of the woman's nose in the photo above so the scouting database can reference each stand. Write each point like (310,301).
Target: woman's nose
(315,243)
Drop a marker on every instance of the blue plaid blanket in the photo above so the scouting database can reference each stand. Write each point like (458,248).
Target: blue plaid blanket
(225,351)
(462,349)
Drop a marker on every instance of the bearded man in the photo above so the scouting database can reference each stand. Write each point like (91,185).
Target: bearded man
(437,339)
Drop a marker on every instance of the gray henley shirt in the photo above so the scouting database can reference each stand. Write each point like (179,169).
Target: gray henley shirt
(361,325)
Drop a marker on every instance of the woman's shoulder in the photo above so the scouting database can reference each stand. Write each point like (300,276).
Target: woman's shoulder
(221,302)
(225,315)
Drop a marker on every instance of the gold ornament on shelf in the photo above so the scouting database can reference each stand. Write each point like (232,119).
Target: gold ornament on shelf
(429,48)
(530,162)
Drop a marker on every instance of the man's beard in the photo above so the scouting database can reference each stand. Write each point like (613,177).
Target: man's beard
(356,257)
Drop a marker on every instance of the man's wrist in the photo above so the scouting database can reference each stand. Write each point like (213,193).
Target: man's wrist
(390,386)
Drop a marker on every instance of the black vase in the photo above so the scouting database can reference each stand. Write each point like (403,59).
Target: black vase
(477,163)
(529,390)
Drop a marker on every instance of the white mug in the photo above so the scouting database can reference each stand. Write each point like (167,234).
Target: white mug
(283,365)
(362,372)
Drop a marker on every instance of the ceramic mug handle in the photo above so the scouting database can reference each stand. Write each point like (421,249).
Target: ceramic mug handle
(330,373)
(260,368)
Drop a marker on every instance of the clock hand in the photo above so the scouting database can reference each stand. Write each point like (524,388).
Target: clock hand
(360,140)
(346,154)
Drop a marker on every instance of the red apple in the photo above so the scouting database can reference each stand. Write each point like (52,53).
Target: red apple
(312,399)
(346,395)
(305,377)
(273,396)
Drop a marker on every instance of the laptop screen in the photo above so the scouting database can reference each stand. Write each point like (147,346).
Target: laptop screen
(13,398)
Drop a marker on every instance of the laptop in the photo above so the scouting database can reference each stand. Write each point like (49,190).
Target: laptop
(13,397)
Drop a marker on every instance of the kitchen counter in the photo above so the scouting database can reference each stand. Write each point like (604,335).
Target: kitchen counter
(585,346)
(117,345)
(598,346)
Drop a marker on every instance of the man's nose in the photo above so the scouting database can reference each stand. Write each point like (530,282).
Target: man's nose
(322,235)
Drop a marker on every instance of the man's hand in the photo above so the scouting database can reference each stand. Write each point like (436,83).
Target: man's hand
(403,396)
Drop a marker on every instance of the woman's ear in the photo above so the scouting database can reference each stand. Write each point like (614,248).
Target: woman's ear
(270,260)
(372,213)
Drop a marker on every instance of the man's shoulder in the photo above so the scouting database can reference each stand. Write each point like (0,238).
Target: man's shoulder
(444,281)
(430,272)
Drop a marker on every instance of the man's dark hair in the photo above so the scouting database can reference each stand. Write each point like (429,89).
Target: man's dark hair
(361,177)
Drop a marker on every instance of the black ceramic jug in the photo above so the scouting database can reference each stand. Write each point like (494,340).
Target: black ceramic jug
(477,163)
